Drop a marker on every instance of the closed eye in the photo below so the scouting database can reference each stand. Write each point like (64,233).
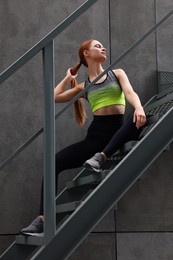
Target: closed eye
(98,46)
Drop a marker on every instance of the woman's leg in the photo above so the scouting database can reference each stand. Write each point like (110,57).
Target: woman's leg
(127,132)
(72,157)
(99,133)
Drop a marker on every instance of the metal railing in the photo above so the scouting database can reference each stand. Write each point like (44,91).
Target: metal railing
(46,45)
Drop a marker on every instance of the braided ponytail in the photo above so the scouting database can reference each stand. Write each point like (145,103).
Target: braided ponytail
(78,105)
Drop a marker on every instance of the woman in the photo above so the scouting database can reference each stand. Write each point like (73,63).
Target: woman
(107,131)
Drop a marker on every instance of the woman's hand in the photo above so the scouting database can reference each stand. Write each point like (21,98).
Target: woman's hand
(69,74)
(61,95)
(139,117)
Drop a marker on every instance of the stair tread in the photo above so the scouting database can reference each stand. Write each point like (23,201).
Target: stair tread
(68,207)
(92,179)
(35,239)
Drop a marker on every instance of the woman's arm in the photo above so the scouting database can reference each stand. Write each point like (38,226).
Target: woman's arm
(61,95)
(132,97)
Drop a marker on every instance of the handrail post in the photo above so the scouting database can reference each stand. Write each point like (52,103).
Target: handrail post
(49,143)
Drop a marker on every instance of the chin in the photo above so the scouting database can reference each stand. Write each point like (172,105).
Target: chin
(103,59)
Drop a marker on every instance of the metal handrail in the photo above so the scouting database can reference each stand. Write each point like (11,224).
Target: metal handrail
(124,54)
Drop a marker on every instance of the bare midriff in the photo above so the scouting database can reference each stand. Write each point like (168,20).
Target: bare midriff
(110,110)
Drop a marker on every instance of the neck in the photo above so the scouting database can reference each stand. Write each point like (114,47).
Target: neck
(94,70)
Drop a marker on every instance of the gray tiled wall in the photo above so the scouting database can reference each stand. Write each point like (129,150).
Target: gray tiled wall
(146,211)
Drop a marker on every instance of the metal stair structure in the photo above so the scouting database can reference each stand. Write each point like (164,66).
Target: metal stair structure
(97,193)
(89,196)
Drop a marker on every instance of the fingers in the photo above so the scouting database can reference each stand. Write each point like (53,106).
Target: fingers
(71,74)
(134,118)
(141,120)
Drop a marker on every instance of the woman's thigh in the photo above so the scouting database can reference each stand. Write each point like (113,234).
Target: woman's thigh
(76,154)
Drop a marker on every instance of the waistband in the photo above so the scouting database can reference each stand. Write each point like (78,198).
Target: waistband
(108,117)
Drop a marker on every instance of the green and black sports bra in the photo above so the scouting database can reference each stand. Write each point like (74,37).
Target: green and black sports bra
(106,93)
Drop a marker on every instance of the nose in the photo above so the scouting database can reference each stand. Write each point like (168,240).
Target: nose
(103,50)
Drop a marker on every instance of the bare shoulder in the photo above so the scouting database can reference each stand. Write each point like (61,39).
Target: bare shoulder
(119,73)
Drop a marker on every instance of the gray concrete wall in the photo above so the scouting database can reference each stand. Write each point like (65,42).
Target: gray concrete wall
(145,212)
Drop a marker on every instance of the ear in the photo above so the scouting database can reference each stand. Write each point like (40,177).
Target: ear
(85,53)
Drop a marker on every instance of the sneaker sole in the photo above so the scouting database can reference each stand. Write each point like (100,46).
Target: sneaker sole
(32,234)
(89,167)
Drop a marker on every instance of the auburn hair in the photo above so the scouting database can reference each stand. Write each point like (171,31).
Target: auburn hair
(80,113)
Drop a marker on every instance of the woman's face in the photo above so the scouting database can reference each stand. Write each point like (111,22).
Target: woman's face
(96,51)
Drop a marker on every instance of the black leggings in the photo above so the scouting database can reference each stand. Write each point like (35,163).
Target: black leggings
(106,134)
